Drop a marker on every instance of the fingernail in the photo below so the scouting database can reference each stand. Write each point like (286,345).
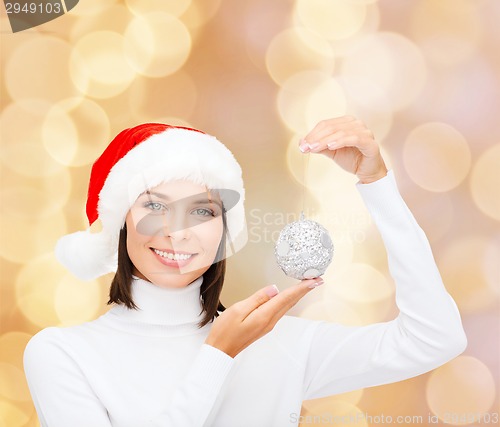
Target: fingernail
(314,146)
(272,291)
(317,283)
(303,146)
(332,145)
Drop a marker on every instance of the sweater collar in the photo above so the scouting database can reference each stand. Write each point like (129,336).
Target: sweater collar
(168,308)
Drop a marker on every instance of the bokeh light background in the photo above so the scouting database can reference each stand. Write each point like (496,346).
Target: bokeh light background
(424,75)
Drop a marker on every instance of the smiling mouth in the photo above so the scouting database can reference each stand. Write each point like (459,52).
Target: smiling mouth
(174,256)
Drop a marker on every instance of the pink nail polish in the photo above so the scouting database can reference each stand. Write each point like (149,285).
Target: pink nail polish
(303,145)
(272,291)
(314,146)
(314,285)
(318,282)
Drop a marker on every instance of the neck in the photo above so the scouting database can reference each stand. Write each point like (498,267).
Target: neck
(167,310)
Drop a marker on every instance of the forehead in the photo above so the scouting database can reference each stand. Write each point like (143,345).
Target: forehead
(179,189)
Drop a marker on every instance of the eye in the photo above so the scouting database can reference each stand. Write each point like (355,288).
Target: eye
(204,212)
(154,206)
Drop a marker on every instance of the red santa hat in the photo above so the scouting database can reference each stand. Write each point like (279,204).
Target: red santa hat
(138,159)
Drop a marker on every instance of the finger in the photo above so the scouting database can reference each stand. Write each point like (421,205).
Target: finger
(321,144)
(280,304)
(303,146)
(327,127)
(342,139)
(366,146)
(248,305)
(320,141)
(303,289)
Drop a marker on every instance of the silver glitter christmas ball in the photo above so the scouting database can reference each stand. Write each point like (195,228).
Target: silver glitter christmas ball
(304,249)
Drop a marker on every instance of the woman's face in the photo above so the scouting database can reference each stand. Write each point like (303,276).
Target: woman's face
(173,233)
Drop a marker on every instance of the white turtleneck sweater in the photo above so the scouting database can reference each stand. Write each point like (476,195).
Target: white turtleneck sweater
(151,368)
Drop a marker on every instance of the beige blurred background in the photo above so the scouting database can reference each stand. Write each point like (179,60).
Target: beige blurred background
(424,75)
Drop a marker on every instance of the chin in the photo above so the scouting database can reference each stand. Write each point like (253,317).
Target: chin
(173,277)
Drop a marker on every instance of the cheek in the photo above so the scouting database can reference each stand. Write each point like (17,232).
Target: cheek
(134,239)
(211,234)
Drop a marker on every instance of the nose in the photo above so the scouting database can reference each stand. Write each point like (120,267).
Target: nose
(176,226)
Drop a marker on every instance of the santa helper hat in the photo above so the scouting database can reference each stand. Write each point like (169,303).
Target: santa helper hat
(138,159)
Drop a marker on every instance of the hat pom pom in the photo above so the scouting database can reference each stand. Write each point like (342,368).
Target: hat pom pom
(87,255)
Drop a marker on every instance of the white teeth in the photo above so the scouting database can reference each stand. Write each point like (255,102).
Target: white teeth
(172,256)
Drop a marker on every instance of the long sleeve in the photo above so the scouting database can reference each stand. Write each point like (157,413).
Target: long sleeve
(427,331)
(63,396)
(59,390)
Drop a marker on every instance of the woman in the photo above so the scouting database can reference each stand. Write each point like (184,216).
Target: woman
(168,353)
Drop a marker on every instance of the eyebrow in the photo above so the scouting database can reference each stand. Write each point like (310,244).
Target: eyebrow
(165,197)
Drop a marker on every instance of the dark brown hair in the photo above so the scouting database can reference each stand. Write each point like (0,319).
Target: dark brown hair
(211,288)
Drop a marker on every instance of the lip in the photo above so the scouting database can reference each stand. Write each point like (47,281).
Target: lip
(173,263)
(173,252)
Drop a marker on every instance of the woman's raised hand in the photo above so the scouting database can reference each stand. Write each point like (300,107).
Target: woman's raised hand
(250,319)
(348,142)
